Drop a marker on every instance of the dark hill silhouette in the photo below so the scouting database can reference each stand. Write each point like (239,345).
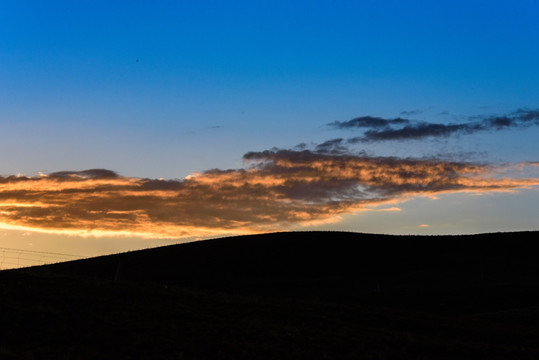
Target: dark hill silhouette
(291,295)
(331,265)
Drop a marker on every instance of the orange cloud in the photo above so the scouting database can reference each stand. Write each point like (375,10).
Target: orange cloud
(280,189)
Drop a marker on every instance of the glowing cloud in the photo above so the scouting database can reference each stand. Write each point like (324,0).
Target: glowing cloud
(278,190)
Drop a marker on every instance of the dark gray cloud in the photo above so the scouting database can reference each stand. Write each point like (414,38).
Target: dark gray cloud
(411,112)
(416,131)
(379,129)
(87,174)
(333,146)
(368,122)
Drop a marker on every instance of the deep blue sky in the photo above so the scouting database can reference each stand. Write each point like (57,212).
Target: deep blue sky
(163,89)
(141,87)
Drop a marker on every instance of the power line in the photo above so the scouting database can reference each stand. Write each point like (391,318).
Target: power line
(40,252)
(13,258)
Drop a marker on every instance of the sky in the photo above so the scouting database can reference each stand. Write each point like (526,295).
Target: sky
(133,124)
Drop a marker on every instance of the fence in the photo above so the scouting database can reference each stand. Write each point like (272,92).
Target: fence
(16,258)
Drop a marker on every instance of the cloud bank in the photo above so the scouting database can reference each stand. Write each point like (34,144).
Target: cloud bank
(379,129)
(278,189)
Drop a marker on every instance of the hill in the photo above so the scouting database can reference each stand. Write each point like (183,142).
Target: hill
(297,295)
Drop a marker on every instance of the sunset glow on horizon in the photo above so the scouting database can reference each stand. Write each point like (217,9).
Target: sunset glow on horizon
(286,189)
(131,125)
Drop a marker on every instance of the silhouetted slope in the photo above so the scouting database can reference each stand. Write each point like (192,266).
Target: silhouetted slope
(327,264)
(300,295)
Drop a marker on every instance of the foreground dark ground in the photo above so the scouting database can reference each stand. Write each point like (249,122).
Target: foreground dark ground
(303,295)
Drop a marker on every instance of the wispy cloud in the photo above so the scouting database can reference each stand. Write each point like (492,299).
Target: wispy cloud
(379,129)
(411,112)
(368,122)
(278,189)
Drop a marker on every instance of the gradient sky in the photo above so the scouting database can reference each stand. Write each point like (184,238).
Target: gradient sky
(402,117)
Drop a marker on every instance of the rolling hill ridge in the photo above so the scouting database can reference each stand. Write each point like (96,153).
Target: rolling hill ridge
(291,295)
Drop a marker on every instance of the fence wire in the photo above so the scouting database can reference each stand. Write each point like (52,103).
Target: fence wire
(15,258)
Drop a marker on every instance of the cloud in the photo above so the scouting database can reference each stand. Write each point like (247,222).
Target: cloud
(279,189)
(411,112)
(391,209)
(329,144)
(379,129)
(333,146)
(368,122)
(87,174)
